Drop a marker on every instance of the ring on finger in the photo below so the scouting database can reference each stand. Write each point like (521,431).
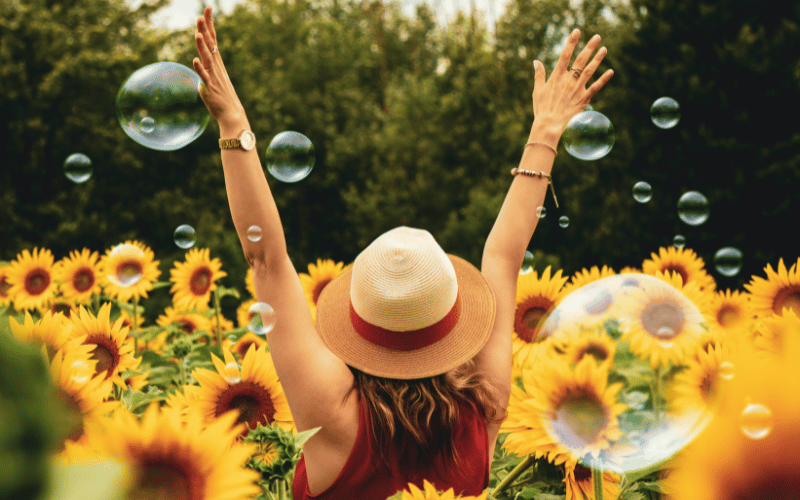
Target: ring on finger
(214,51)
(576,72)
(209,69)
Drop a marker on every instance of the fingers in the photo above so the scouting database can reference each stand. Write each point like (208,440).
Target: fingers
(583,57)
(592,66)
(539,75)
(596,86)
(566,53)
(200,69)
(206,59)
(210,23)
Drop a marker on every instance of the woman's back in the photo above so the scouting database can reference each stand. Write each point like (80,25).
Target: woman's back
(365,476)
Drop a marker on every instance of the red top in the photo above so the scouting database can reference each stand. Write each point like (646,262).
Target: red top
(364,477)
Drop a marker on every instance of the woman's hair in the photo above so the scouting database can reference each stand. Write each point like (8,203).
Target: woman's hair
(420,415)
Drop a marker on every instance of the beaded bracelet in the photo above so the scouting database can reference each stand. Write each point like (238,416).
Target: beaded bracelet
(531,173)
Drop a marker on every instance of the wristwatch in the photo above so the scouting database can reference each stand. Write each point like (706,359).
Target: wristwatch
(246,141)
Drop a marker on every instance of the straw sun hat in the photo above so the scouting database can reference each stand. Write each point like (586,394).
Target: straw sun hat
(405,309)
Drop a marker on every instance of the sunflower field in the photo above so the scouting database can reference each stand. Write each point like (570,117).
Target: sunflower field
(99,404)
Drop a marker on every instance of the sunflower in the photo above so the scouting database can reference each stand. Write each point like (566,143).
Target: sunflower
(662,323)
(780,290)
(31,279)
(683,261)
(5,286)
(249,284)
(82,391)
(242,345)
(59,305)
(563,413)
(318,277)
(194,280)
(749,450)
(52,331)
(187,321)
(536,298)
(731,314)
(127,320)
(137,382)
(129,263)
(176,460)
(700,386)
(584,277)
(79,275)
(113,350)
(254,390)
(243,314)
(776,332)
(580,486)
(595,344)
(225,324)
(630,270)
(429,492)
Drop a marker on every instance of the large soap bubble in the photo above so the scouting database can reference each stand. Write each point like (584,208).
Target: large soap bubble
(159,106)
(589,135)
(290,156)
(620,377)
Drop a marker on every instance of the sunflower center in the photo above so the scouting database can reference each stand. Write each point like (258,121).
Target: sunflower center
(186,325)
(579,422)
(5,286)
(599,303)
(728,316)
(318,287)
(663,320)
(531,315)
(252,400)
(789,297)
(200,282)
(160,480)
(582,473)
(128,273)
(242,347)
(37,281)
(61,308)
(267,452)
(107,356)
(83,280)
(680,270)
(596,350)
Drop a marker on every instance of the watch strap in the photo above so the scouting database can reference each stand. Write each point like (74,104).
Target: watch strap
(229,143)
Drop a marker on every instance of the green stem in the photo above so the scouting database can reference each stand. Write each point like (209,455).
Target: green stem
(515,472)
(597,481)
(181,364)
(135,322)
(219,324)
(282,490)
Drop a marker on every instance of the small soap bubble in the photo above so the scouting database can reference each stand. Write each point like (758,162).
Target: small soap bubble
(728,261)
(756,421)
(528,263)
(665,112)
(78,168)
(290,156)
(589,135)
(563,221)
(693,208)
(679,241)
(185,236)
(726,370)
(541,212)
(642,192)
(263,318)
(81,372)
(232,338)
(159,106)
(232,374)
(148,124)
(127,270)
(254,233)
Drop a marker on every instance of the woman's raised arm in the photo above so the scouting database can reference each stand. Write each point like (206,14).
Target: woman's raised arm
(555,101)
(313,378)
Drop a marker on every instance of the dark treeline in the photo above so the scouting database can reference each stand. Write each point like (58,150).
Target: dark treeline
(413,124)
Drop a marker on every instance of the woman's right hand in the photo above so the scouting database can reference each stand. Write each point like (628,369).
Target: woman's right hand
(217,91)
(557,99)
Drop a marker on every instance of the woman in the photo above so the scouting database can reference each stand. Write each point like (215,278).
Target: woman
(408,370)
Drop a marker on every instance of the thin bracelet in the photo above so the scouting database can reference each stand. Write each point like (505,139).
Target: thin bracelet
(543,144)
(531,173)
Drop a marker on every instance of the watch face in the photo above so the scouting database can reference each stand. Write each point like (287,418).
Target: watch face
(247,140)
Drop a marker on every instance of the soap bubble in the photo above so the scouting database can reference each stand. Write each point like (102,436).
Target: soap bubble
(726,370)
(610,348)
(254,233)
(231,374)
(563,221)
(185,236)
(78,168)
(588,108)
(541,212)
(665,112)
(728,261)
(693,208)
(756,421)
(127,270)
(290,156)
(263,318)
(642,192)
(159,106)
(528,263)
(679,241)
(589,135)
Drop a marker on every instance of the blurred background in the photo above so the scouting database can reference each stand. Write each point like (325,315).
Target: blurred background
(417,112)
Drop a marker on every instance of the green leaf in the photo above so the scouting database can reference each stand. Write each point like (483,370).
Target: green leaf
(649,486)
(633,495)
(528,493)
(148,333)
(225,292)
(104,480)
(161,284)
(301,437)
(547,496)
(136,399)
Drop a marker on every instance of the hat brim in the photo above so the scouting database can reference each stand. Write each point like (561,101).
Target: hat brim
(462,343)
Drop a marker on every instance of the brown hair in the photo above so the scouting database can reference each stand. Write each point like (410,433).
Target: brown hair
(420,415)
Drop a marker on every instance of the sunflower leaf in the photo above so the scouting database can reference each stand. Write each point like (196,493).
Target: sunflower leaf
(547,496)
(224,292)
(633,495)
(161,284)
(147,334)
(528,493)
(301,437)
(649,486)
